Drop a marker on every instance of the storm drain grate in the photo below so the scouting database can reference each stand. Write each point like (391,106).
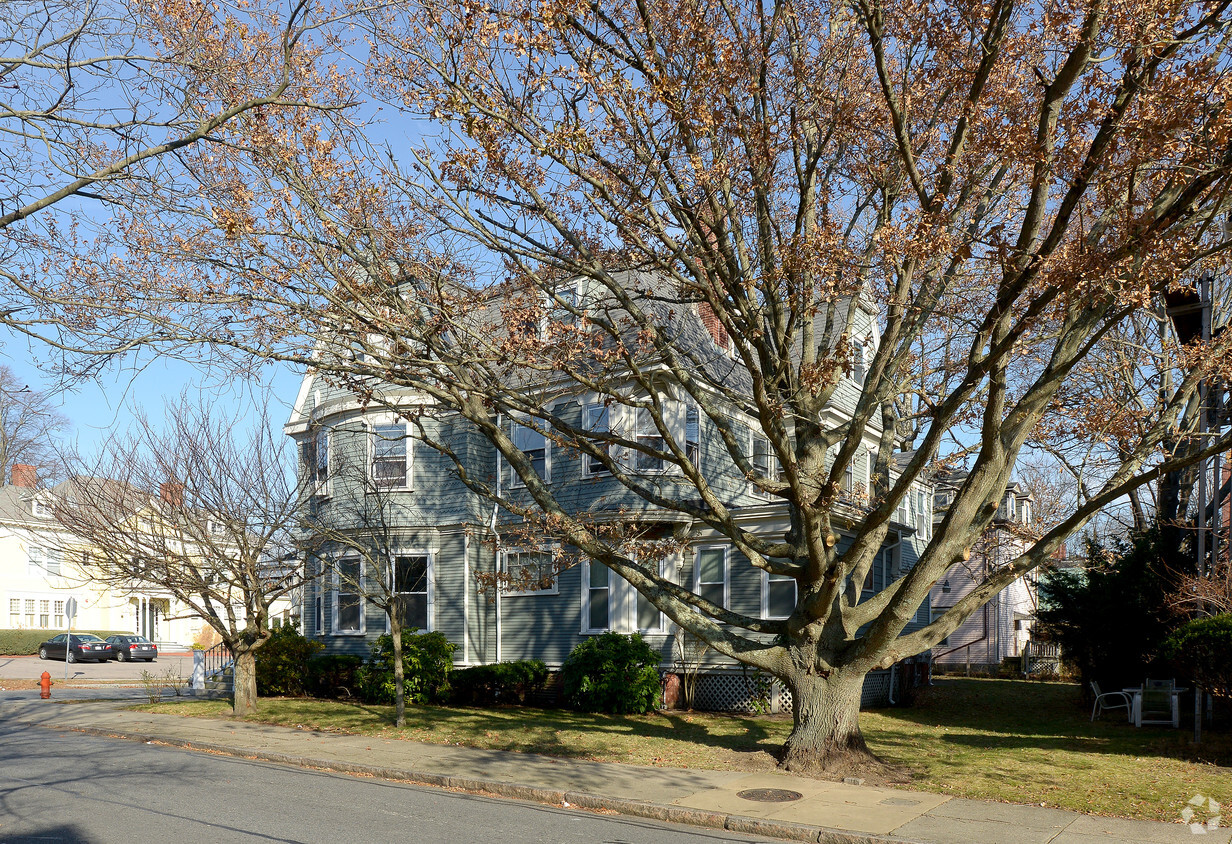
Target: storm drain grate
(769,795)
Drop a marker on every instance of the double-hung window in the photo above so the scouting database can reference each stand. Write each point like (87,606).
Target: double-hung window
(649,618)
(530,573)
(765,464)
(47,559)
(859,363)
(348,597)
(391,454)
(710,574)
(778,595)
(922,515)
(597,598)
(692,435)
(534,445)
(314,456)
(410,589)
(59,616)
(650,438)
(45,613)
(598,421)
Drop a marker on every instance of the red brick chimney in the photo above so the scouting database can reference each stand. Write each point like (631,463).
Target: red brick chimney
(172,493)
(711,321)
(23,474)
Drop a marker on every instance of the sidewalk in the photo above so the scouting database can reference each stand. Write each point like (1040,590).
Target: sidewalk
(825,812)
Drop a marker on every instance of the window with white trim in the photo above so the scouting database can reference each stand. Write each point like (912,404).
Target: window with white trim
(391,456)
(40,510)
(849,476)
(348,598)
(859,362)
(530,572)
(649,618)
(411,576)
(45,613)
(47,560)
(710,574)
(596,597)
(14,612)
(765,464)
(648,436)
(924,518)
(314,457)
(30,612)
(566,297)
(598,420)
(778,595)
(535,446)
(58,606)
(692,435)
(935,613)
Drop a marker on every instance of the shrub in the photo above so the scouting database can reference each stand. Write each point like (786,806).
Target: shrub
(504,682)
(1202,649)
(333,675)
(282,662)
(26,642)
(612,673)
(426,661)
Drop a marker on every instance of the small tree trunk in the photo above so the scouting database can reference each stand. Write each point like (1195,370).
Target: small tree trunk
(245,687)
(399,675)
(825,736)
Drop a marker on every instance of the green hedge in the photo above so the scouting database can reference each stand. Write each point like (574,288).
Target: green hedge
(612,673)
(26,642)
(283,663)
(427,659)
(504,682)
(1202,649)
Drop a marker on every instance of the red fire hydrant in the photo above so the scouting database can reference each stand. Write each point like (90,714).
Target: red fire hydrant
(45,686)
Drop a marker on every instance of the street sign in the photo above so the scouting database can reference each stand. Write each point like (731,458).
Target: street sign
(70,609)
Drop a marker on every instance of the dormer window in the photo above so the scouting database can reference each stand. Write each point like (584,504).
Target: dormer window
(859,362)
(40,510)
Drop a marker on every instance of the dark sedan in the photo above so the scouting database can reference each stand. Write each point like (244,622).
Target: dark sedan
(85,646)
(125,648)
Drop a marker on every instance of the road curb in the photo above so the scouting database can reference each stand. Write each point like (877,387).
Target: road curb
(517,791)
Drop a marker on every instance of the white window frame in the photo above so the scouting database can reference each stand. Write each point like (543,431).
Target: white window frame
(408,455)
(697,570)
(40,510)
(515,480)
(773,472)
(554,589)
(923,513)
(765,595)
(693,447)
(664,572)
(40,561)
(644,428)
(589,410)
(321,487)
(586,590)
(336,582)
(430,596)
(935,613)
(859,362)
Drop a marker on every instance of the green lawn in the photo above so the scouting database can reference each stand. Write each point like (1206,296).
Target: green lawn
(1005,740)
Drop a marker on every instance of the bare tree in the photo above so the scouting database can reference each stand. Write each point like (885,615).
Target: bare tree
(30,426)
(357,538)
(969,211)
(198,509)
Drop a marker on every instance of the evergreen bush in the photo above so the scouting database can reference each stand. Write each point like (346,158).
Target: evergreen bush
(612,673)
(427,659)
(504,682)
(1201,649)
(283,663)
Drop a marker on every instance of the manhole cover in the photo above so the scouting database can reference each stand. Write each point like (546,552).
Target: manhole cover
(769,795)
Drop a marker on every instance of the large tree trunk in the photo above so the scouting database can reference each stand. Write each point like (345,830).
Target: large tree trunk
(825,737)
(245,688)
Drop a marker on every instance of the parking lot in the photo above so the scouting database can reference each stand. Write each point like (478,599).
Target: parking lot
(31,668)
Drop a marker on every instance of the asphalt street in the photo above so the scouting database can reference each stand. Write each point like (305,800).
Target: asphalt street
(31,667)
(67,787)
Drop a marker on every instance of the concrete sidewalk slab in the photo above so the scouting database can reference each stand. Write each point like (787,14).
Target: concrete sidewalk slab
(828,812)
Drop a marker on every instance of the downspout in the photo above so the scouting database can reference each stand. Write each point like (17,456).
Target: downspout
(890,696)
(466,597)
(496,559)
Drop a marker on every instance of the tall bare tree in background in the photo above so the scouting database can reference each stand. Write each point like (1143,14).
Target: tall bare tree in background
(1009,190)
(30,428)
(193,505)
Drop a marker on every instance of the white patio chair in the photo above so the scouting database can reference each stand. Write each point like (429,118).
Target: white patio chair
(1101,702)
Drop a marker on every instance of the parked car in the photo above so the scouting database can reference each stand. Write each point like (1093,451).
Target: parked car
(125,648)
(85,646)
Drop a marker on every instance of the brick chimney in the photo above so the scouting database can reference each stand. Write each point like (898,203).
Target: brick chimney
(711,321)
(23,474)
(172,493)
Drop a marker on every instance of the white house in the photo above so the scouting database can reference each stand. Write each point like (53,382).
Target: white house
(1002,627)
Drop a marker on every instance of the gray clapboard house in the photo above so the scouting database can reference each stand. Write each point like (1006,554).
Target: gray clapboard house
(447,543)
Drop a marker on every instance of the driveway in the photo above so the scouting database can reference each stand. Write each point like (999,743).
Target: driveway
(31,668)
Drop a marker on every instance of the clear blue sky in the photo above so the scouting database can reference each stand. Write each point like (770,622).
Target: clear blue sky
(107,403)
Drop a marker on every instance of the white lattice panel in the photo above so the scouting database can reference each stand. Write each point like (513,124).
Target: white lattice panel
(732,692)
